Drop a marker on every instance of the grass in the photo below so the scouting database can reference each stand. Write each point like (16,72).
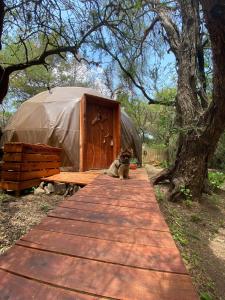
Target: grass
(193,225)
(45,207)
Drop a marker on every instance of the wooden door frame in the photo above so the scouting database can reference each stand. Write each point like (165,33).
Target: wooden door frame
(115,105)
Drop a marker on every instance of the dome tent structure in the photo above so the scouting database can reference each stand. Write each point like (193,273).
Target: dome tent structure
(87,126)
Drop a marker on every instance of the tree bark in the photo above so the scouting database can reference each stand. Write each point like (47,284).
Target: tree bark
(4,83)
(200,130)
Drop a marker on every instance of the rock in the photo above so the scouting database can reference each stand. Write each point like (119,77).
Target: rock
(42,185)
(49,188)
(39,191)
(76,188)
(69,190)
(13,204)
(60,188)
(47,192)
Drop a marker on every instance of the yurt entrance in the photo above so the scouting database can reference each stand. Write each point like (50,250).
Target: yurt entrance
(99,132)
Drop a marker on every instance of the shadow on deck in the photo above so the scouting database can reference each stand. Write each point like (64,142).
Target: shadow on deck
(108,241)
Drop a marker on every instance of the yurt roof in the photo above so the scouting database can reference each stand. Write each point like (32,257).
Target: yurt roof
(66,94)
(53,117)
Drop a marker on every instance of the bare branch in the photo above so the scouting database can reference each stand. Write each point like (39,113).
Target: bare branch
(2,14)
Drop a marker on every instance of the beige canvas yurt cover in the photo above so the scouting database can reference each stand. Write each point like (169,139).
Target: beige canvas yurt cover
(54,118)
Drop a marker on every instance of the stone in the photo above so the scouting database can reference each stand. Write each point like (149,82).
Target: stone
(47,192)
(51,187)
(42,185)
(60,188)
(70,190)
(76,188)
(39,191)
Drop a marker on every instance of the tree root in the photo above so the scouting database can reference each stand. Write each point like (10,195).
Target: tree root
(177,185)
(175,192)
(162,176)
(207,189)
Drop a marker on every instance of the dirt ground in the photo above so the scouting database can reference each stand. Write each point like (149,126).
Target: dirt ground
(199,231)
(19,214)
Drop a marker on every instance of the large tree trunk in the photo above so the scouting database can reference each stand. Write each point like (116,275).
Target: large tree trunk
(200,131)
(4,83)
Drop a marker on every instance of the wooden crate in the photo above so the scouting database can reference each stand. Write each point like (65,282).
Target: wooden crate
(25,164)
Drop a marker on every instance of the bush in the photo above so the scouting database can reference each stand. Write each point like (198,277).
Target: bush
(216,179)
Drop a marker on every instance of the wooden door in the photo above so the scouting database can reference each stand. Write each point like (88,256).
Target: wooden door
(100,133)
(99,136)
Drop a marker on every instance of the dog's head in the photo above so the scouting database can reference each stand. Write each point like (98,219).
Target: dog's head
(125,156)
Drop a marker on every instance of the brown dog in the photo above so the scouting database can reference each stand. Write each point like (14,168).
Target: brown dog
(120,167)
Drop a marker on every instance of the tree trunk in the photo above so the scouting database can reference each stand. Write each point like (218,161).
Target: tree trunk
(4,83)
(200,131)
(190,170)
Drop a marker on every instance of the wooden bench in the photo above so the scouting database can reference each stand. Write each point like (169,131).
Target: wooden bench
(25,164)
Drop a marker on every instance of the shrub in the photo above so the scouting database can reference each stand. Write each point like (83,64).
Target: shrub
(216,179)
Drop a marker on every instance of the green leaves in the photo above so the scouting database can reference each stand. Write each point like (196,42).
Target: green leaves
(216,179)
(205,296)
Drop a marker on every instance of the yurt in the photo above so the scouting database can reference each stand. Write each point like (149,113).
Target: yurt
(91,129)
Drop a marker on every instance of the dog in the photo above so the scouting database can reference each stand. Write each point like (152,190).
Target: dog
(120,167)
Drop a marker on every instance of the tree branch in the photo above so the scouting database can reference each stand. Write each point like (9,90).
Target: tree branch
(2,14)
(169,26)
(139,86)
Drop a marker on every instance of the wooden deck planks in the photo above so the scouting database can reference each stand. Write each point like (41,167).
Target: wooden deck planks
(80,178)
(146,257)
(14,287)
(108,232)
(110,202)
(109,208)
(108,241)
(146,220)
(109,280)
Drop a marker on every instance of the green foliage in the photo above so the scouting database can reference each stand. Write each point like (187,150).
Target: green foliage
(166,95)
(195,218)
(189,203)
(45,207)
(139,111)
(4,117)
(186,192)
(178,233)
(216,179)
(133,161)
(205,296)
(159,194)
(164,164)
(152,120)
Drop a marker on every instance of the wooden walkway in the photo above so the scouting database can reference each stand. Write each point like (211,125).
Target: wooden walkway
(108,241)
(80,178)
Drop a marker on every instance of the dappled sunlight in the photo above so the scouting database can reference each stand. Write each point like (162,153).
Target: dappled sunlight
(113,249)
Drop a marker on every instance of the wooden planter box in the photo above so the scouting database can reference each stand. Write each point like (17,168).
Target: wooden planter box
(25,164)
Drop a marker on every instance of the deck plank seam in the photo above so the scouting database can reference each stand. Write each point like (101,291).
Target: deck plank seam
(58,286)
(119,226)
(68,207)
(99,260)
(74,198)
(95,238)
(101,239)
